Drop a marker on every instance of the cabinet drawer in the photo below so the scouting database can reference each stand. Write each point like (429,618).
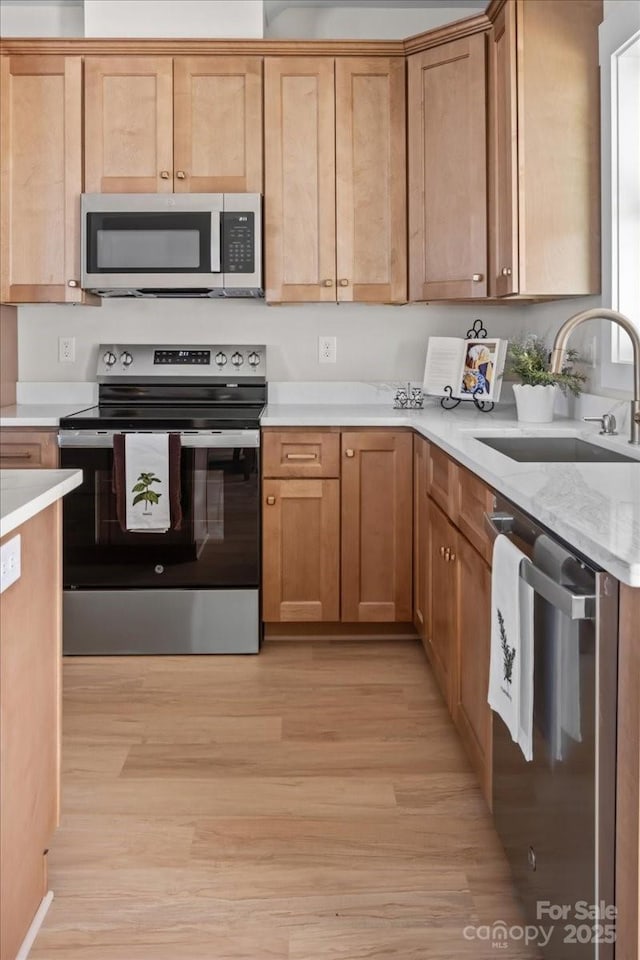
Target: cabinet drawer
(441,480)
(20,449)
(475,499)
(300,454)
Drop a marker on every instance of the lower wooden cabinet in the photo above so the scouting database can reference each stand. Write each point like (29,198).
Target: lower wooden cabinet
(338,547)
(377,538)
(301,550)
(472,713)
(443,564)
(28,448)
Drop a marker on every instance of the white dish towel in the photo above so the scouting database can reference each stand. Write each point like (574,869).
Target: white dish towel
(511,665)
(147,482)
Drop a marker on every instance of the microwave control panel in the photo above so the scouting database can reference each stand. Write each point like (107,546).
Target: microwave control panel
(238,242)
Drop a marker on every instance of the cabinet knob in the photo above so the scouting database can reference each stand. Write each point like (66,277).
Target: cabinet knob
(349,453)
(181,175)
(451,557)
(271,501)
(327,283)
(72,283)
(442,551)
(165,174)
(344,282)
(506,271)
(477,277)
(447,554)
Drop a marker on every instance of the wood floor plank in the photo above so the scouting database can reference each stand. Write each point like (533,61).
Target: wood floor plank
(311,803)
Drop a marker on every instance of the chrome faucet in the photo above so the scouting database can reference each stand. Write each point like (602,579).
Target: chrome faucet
(600,313)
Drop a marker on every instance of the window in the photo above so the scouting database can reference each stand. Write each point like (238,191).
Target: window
(620,65)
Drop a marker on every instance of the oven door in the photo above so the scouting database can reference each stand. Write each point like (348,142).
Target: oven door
(158,591)
(148,241)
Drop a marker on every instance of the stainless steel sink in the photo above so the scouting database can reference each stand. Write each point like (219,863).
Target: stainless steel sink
(554,450)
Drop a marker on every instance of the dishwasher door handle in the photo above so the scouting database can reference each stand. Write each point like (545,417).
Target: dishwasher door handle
(576,606)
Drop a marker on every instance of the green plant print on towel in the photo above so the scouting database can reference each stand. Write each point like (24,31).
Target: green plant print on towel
(508,653)
(144,493)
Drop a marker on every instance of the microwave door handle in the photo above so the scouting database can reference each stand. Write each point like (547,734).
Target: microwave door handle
(216,241)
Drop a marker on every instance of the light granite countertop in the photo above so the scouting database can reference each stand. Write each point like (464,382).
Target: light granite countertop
(594,507)
(24,493)
(38,414)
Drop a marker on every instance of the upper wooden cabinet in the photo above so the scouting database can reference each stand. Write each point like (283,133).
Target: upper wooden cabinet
(300,181)
(41,160)
(447,171)
(377,526)
(183,124)
(544,149)
(335,205)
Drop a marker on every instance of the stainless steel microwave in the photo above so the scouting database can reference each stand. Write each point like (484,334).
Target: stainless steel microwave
(165,244)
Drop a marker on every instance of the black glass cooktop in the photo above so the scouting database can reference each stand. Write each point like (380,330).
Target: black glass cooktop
(246,417)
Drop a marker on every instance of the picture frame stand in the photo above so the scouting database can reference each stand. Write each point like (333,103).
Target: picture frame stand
(477,332)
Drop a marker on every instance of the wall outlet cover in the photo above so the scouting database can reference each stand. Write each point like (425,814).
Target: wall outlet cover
(327,348)
(66,349)
(9,563)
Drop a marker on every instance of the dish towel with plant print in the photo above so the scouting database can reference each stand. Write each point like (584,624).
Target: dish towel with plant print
(143,481)
(511,663)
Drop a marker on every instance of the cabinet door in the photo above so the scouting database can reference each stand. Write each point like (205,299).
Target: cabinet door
(443,583)
(128,125)
(370,180)
(503,154)
(299,196)
(217,119)
(301,550)
(376,526)
(472,712)
(420,538)
(41,179)
(447,171)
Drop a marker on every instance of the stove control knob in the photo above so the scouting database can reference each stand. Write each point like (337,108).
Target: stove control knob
(126,359)
(109,358)
(254,359)
(221,358)
(237,359)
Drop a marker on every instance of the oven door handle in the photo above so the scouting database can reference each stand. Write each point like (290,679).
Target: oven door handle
(224,439)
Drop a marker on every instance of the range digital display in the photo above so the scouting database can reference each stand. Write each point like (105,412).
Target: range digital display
(182,356)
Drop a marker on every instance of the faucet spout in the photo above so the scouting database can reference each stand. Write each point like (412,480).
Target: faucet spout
(600,313)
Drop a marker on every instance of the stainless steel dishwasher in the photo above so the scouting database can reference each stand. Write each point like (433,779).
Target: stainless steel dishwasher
(556,815)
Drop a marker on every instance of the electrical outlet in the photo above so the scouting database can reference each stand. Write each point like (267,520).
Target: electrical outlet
(9,563)
(66,349)
(327,349)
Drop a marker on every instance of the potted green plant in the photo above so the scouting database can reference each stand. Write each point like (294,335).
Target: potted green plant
(528,359)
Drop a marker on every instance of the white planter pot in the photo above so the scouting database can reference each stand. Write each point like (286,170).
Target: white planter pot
(534,404)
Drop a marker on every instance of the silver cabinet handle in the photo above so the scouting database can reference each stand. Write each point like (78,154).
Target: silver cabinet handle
(477,277)
(302,456)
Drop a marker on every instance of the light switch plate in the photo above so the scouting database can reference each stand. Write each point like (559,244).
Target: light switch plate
(9,563)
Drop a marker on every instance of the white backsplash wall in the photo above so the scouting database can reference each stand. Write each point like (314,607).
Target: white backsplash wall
(373,342)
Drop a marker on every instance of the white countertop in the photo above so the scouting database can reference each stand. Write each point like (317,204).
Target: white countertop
(38,414)
(24,493)
(594,507)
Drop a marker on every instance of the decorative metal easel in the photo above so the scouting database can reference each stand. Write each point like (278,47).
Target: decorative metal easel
(477,332)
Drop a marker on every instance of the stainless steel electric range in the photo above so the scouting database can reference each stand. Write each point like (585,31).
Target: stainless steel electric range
(192,589)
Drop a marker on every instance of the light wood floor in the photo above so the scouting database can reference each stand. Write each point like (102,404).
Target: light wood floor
(311,803)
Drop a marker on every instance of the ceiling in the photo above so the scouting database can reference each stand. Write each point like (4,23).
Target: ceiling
(272,8)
